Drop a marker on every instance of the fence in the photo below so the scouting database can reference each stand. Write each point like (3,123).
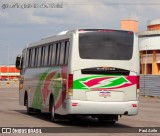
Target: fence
(150,85)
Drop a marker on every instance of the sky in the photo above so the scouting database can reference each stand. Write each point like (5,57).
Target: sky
(20,25)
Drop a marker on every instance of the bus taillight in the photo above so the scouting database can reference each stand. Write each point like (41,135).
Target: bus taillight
(70,80)
(138,85)
(138,82)
(70,84)
(134,105)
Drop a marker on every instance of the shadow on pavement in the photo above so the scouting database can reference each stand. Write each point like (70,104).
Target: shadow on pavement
(77,122)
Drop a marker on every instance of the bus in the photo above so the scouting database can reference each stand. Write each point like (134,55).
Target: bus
(85,72)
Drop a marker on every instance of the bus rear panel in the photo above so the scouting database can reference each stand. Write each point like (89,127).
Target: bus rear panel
(105,74)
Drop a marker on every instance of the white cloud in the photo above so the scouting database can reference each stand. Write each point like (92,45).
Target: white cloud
(4,17)
(82,13)
(17,25)
(97,14)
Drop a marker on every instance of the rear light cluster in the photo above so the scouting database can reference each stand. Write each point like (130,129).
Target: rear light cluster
(138,82)
(138,85)
(134,105)
(74,104)
(70,84)
(70,80)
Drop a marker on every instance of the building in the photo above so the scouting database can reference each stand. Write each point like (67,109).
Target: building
(129,25)
(9,72)
(149,43)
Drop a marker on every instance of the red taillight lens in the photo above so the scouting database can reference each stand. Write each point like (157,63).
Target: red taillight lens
(134,105)
(138,82)
(70,80)
(74,104)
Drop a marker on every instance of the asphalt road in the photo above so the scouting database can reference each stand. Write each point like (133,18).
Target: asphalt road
(14,115)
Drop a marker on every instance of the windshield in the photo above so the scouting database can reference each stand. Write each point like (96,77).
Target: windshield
(106,45)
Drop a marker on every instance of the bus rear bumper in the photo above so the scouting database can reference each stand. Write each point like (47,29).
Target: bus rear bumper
(89,107)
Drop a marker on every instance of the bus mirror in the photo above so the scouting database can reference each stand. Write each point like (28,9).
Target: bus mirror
(18,62)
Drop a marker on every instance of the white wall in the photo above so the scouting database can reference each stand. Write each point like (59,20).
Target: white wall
(149,43)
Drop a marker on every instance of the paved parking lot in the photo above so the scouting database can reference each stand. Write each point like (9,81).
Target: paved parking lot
(14,115)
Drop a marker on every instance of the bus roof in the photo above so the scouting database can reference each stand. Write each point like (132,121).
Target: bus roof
(62,34)
(52,38)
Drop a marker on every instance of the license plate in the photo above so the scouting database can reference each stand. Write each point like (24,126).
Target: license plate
(105,94)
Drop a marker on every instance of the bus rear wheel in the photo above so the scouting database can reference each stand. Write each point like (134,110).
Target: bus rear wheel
(52,110)
(109,119)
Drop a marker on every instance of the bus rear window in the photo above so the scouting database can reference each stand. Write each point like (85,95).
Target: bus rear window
(106,45)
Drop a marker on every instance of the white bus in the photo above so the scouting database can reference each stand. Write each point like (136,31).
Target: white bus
(87,72)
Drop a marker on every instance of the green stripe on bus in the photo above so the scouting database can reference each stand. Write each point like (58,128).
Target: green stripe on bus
(37,99)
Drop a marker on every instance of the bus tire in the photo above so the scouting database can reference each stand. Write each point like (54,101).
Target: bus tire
(102,119)
(111,122)
(73,118)
(52,110)
(29,110)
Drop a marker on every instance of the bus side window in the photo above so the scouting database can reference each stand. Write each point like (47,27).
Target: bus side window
(42,56)
(22,61)
(62,53)
(53,54)
(46,56)
(32,57)
(39,57)
(29,57)
(58,53)
(36,57)
(49,54)
(66,52)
